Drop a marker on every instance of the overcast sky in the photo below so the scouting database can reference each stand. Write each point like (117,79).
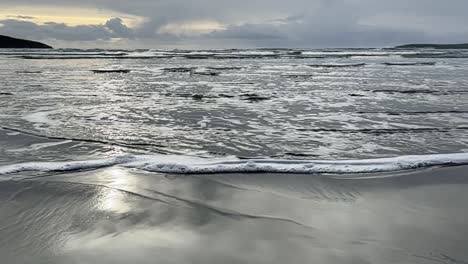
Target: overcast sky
(239,23)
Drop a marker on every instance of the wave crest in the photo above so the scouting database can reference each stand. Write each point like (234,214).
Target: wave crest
(179,164)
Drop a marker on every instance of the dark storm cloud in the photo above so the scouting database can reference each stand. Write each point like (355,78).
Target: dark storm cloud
(272,22)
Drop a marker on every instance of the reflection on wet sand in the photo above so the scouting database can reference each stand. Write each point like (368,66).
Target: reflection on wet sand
(117,215)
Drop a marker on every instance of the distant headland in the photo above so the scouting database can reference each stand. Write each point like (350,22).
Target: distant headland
(14,43)
(433,46)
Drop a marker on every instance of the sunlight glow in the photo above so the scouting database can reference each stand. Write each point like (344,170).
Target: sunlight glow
(192,27)
(113,200)
(71,16)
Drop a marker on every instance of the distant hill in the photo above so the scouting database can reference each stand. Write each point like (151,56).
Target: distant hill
(14,43)
(433,46)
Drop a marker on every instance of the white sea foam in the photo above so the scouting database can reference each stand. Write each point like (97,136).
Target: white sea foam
(193,165)
(41,117)
(65,166)
(38,146)
(254,52)
(148,54)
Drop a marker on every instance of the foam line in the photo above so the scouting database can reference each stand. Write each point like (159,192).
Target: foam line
(179,164)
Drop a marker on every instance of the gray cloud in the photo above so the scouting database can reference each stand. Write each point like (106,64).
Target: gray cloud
(303,34)
(116,26)
(250,32)
(113,28)
(305,23)
(22,17)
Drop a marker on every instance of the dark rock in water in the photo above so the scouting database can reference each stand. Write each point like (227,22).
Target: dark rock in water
(434,46)
(28,72)
(253,97)
(238,83)
(409,63)
(14,43)
(226,95)
(293,154)
(206,73)
(183,95)
(197,57)
(197,96)
(6,94)
(297,52)
(297,76)
(111,71)
(337,65)
(416,91)
(180,69)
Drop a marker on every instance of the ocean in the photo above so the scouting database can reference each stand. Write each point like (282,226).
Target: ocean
(234,156)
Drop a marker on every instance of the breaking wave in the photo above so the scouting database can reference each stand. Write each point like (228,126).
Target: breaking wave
(179,164)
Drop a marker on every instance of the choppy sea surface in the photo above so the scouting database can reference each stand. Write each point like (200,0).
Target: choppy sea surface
(234,156)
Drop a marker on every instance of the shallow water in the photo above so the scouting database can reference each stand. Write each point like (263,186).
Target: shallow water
(263,103)
(233,156)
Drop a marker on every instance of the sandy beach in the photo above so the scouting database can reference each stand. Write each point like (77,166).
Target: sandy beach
(117,215)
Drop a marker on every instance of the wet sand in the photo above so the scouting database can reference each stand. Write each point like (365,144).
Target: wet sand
(118,215)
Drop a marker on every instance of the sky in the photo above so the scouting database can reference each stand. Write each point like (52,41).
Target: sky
(235,24)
